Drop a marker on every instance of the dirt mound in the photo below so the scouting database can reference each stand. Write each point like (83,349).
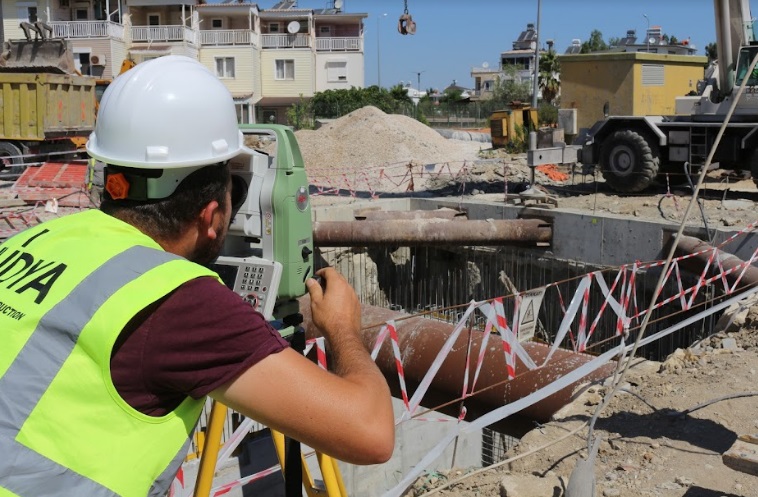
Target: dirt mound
(369,137)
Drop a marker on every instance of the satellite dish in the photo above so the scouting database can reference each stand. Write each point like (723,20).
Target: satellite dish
(485,65)
(338,4)
(293,27)
(651,40)
(533,45)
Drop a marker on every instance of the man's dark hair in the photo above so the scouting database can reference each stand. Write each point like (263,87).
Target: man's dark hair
(167,218)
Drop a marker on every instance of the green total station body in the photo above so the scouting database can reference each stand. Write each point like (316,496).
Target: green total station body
(271,220)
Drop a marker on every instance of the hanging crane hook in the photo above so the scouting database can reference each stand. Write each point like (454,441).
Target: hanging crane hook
(406,25)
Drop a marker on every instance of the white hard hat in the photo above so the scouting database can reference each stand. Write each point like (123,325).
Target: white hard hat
(169,113)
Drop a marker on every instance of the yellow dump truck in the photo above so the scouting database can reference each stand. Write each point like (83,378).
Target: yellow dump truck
(40,114)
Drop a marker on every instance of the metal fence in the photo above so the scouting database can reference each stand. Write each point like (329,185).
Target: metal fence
(440,283)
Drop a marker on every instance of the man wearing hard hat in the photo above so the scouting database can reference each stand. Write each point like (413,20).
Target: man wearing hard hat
(114,331)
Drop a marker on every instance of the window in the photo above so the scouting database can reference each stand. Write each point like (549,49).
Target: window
(273,27)
(336,71)
(81,15)
(285,69)
(153,19)
(225,67)
(244,113)
(325,31)
(64,4)
(217,24)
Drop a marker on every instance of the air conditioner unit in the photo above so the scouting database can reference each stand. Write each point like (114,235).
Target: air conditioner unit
(97,60)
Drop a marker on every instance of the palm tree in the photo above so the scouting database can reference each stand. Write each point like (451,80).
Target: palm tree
(549,82)
(400,94)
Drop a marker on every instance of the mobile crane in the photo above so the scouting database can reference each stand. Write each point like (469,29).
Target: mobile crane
(632,151)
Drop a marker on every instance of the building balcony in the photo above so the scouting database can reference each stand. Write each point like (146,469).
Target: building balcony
(149,34)
(339,44)
(219,37)
(299,40)
(87,29)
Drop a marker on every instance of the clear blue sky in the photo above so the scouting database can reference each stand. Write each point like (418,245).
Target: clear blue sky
(454,36)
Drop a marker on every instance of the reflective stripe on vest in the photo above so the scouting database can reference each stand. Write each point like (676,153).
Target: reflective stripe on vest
(40,360)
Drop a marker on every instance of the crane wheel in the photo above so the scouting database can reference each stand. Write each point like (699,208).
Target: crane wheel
(628,162)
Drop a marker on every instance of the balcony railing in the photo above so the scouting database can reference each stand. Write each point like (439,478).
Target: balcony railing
(228,37)
(163,33)
(299,40)
(339,44)
(87,29)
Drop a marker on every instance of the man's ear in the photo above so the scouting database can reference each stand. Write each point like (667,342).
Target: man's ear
(207,226)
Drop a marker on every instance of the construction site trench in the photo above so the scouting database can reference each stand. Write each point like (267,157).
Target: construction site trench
(368,167)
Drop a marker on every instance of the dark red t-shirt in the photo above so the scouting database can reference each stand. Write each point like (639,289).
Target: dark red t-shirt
(198,338)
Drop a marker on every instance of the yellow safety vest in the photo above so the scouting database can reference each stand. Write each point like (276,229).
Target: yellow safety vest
(67,289)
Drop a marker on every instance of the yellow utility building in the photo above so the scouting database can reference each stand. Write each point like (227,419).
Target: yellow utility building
(630,83)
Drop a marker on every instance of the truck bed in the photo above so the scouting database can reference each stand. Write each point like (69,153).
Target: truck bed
(44,106)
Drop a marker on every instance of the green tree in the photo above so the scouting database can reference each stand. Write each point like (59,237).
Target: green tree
(547,114)
(337,103)
(508,89)
(711,51)
(549,76)
(595,43)
(300,115)
(614,41)
(400,94)
(453,96)
(673,40)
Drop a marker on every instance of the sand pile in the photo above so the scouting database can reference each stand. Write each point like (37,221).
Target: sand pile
(368,137)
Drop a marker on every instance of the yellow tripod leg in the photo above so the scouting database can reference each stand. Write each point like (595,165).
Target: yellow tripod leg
(308,484)
(210,450)
(335,486)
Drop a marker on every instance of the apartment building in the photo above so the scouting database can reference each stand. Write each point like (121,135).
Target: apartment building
(305,51)
(268,58)
(229,38)
(520,59)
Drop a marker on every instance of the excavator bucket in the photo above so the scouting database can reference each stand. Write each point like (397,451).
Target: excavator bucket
(42,55)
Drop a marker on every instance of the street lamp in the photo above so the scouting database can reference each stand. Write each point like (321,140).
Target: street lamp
(535,80)
(647,33)
(379,52)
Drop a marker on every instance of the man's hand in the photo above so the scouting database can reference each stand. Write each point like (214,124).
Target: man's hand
(346,414)
(335,308)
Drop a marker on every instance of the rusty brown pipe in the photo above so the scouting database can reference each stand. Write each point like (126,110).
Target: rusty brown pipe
(690,245)
(381,215)
(426,232)
(420,340)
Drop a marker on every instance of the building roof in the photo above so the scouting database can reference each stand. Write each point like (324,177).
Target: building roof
(277,101)
(290,14)
(524,52)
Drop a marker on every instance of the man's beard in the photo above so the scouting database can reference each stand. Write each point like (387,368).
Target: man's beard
(210,251)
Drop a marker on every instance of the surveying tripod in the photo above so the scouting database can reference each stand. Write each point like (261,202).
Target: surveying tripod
(291,459)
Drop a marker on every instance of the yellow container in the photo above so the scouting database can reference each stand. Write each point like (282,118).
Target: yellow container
(504,124)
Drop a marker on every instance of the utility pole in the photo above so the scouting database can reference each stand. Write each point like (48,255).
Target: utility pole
(535,82)
(418,93)
(647,33)
(379,52)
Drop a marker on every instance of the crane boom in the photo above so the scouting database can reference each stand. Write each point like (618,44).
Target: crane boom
(734,29)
